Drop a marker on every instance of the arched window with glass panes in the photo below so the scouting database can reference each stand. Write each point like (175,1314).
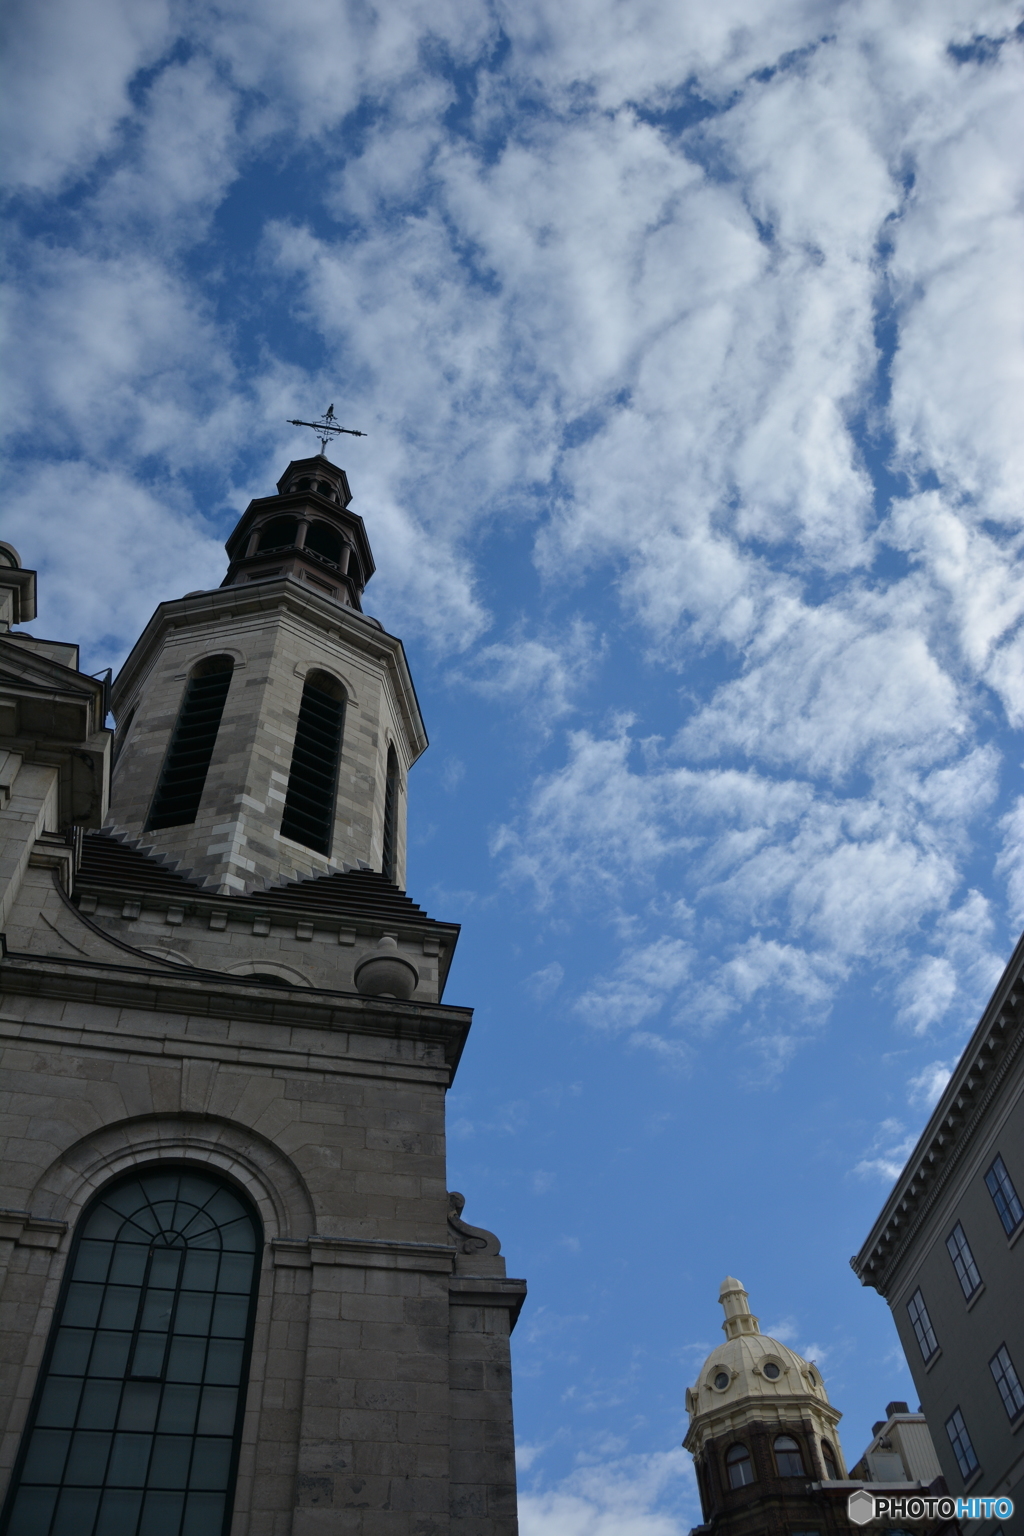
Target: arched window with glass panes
(739,1466)
(136,1422)
(788,1458)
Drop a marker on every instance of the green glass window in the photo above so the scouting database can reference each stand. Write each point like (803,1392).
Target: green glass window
(135,1427)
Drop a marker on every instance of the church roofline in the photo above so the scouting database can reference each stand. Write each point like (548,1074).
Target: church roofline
(976,1080)
(359,630)
(216,994)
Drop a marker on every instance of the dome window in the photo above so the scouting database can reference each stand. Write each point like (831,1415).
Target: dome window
(771,1370)
(739,1466)
(722,1380)
(788,1458)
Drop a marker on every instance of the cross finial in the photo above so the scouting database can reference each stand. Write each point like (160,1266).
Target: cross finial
(326,428)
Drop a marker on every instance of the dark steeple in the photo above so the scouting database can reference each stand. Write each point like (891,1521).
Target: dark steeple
(305,531)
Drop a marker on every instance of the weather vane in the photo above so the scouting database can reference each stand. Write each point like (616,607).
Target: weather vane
(326,428)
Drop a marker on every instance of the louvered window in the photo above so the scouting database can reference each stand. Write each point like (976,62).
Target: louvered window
(390,848)
(187,763)
(312,783)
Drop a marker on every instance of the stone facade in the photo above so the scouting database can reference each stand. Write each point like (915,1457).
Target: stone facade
(204,997)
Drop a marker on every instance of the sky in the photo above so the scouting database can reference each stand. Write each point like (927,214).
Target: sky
(687,343)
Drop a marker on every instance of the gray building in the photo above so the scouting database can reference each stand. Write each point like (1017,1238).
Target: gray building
(947,1254)
(236,1295)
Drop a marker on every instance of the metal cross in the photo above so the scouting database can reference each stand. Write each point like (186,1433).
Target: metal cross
(326,428)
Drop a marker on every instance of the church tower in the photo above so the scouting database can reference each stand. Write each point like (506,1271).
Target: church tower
(763,1434)
(236,1294)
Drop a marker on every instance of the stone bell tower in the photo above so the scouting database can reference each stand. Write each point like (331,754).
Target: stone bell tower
(237,1296)
(280,659)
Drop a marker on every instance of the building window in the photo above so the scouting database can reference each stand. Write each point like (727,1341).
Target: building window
(922,1325)
(960,1440)
(739,1466)
(279,533)
(137,1420)
(788,1458)
(313,780)
(323,542)
(1000,1187)
(1008,1382)
(963,1260)
(390,844)
(831,1465)
(183,776)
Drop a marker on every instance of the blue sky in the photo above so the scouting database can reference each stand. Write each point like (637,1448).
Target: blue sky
(687,340)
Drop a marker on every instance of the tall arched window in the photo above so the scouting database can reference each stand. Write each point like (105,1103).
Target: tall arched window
(739,1466)
(279,533)
(313,779)
(788,1458)
(135,1427)
(187,763)
(389,858)
(831,1465)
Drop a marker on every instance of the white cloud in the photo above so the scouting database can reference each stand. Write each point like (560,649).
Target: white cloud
(539,676)
(925,1088)
(546,982)
(66,73)
(888,1152)
(616,1498)
(1010,863)
(926,993)
(107,553)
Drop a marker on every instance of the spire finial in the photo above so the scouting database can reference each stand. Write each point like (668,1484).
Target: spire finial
(738,1316)
(326,428)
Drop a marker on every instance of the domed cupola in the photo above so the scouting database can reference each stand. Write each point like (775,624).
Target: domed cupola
(305,531)
(761,1424)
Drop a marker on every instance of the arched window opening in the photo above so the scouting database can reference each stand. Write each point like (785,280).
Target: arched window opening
(323,541)
(313,779)
(739,1466)
(390,844)
(326,489)
(279,533)
(788,1458)
(137,1419)
(831,1465)
(183,776)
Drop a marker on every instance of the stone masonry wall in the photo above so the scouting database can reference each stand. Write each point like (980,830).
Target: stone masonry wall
(235,841)
(379,1395)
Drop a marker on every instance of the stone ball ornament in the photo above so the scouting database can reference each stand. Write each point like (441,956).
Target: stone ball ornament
(386,973)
